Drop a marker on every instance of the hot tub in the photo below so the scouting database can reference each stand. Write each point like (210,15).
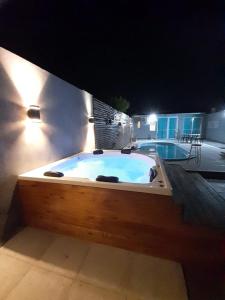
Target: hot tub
(133,171)
(128,214)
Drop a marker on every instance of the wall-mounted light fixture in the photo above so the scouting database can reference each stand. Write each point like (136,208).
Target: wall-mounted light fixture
(33,113)
(91,119)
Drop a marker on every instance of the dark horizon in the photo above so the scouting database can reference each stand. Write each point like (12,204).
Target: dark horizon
(162,57)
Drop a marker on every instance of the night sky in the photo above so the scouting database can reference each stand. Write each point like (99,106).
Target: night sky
(163,56)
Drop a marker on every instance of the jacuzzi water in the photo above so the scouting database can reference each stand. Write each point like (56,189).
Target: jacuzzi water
(126,167)
(167,151)
(82,169)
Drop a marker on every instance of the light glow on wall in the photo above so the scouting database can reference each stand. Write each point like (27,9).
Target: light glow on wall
(124,119)
(152,120)
(89,144)
(29,81)
(152,126)
(26,77)
(33,134)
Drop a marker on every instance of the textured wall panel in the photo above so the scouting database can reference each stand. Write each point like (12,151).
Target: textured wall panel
(112,128)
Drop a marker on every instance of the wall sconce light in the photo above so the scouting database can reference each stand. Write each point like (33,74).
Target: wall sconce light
(91,119)
(33,113)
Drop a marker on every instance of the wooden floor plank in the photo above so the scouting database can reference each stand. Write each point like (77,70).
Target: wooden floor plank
(201,203)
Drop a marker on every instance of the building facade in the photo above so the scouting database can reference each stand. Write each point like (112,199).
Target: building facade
(168,126)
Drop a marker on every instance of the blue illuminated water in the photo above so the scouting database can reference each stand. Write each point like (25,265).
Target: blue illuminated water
(127,167)
(167,151)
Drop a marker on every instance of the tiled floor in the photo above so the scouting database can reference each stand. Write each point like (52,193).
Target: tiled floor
(40,265)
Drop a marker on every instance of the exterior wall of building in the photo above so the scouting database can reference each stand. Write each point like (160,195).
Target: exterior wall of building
(144,131)
(215,127)
(24,145)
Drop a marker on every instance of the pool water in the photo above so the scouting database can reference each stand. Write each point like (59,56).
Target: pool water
(167,151)
(126,167)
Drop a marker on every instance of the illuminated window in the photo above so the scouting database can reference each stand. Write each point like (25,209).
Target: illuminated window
(139,124)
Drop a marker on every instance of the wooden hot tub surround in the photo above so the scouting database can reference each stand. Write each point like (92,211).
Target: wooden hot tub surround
(144,222)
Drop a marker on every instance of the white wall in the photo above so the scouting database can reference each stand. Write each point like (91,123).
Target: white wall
(64,127)
(215,127)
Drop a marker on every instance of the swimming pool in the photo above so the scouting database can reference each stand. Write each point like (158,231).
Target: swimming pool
(167,151)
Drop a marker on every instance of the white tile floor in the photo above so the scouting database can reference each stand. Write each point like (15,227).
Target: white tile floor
(40,265)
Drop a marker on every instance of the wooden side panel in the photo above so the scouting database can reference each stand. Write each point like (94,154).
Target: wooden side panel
(89,205)
(137,221)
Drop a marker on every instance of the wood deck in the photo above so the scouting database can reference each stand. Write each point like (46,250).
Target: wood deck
(202,205)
